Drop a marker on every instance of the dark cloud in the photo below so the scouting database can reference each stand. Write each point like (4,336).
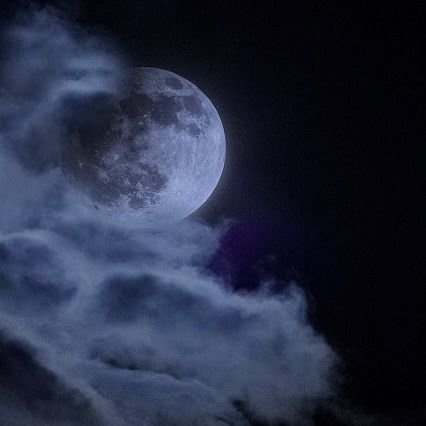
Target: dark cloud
(121,300)
(111,323)
(29,277)
(31,394)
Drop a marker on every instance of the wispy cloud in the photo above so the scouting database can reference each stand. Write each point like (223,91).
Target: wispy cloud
(50,69)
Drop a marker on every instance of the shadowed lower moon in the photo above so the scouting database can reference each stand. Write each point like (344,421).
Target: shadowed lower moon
(154,156)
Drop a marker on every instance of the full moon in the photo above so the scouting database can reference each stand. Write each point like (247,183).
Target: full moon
(155,156)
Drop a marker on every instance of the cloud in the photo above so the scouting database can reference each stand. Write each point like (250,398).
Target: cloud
(51,70)
(31,394)
(107,324)
(141,323)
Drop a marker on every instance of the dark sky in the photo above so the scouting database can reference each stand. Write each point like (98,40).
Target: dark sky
(323,108)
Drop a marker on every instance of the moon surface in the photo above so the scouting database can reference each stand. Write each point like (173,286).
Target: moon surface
(155,156)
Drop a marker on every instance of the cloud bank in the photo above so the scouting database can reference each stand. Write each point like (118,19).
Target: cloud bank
(107,324)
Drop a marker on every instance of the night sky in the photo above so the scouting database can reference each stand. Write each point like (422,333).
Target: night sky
(323,110)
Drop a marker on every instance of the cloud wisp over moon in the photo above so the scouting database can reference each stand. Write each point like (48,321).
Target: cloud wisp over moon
(104,324)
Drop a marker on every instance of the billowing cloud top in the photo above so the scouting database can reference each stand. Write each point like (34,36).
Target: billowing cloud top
(104,324)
